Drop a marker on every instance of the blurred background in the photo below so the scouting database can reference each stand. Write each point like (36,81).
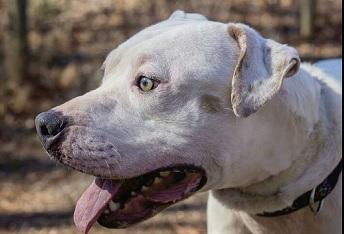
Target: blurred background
(51,51)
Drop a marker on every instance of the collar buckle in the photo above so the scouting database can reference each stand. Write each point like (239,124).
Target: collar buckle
(312,202)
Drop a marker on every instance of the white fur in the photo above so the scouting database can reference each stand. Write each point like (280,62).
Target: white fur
(258,163)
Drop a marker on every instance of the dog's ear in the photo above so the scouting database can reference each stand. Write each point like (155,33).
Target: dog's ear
(181,15)
(262,65)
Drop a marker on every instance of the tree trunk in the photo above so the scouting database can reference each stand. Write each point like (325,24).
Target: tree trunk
(16,55)
(307,18)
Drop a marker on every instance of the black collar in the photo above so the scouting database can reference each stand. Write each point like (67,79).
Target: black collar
(309,198)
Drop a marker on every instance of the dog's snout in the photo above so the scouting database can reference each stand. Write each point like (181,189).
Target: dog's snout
(49,124)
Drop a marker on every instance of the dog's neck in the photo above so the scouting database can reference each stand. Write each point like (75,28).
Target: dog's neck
(320,151)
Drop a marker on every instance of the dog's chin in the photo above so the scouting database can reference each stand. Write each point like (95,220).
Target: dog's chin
(121,203)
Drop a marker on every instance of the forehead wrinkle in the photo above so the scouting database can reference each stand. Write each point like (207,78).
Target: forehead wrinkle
(117,55)
(152,64)
(143,58)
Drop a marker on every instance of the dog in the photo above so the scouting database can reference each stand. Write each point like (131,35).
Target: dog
(190,105)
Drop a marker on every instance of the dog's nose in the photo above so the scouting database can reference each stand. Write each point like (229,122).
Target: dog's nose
(48,124)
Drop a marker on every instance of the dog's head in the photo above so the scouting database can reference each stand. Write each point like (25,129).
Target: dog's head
(167,120)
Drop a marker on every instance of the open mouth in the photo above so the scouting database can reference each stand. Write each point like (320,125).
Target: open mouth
(120,203)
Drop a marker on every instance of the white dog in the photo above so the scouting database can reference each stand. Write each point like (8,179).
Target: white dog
(192,105)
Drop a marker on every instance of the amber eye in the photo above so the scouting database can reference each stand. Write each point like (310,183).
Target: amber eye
(146,84)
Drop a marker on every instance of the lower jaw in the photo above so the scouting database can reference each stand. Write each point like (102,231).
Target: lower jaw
(142,206)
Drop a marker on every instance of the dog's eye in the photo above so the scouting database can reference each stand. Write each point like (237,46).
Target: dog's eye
(146,84)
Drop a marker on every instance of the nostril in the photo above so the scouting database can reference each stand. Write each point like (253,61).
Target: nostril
(48,124)
(44,131)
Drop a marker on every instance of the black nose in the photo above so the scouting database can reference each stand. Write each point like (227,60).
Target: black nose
(49,124)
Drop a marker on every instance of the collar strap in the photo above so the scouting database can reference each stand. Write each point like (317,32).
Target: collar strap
(309,198)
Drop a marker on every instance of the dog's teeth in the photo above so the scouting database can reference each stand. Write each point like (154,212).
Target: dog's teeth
(132,193)
(114,205)
(177,171)
(164,173)
(157,180)
(144,188)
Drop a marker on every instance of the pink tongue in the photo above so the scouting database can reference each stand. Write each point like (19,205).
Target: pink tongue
(93,202)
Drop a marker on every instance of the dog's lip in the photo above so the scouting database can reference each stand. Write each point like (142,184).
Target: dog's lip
(53,148)
(144,205)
